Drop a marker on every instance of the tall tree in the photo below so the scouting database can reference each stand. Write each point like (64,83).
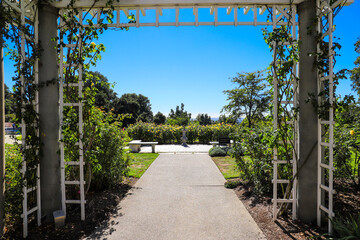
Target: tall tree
(355,72)
(251,97)
(9,101)
(105,96)
(137,105)
(224,119)
(203,119)
(179,116)
(159,118)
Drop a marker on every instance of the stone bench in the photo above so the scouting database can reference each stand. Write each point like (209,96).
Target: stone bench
(135,145)
(221,144)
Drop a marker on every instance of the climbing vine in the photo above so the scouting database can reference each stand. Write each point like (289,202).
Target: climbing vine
(79,28)
(18,34)
(282,73)
(19,39)
(284,46)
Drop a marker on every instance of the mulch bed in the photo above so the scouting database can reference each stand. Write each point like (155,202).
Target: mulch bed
(99,208)
(346,202)
(260,208)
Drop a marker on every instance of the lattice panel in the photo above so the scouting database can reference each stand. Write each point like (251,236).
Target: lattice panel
(241,15)
(31,203)
(326,122)
(285,117)
(68,88)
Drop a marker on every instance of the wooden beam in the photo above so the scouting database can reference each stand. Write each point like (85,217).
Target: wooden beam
(170,3)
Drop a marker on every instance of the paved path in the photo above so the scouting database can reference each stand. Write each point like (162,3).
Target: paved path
(181,196)
(172,148)
(10,139)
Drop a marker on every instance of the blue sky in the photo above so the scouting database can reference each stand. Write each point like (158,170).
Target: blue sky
(192,65)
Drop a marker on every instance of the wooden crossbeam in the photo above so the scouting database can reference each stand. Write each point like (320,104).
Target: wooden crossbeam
(162,3)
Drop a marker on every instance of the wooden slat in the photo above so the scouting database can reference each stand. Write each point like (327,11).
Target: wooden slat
(282,161)
(72,182)
(72,104)
(73,163)
(279,181)
(284,200)
(170,3)
(74,201)
(30,211)
(30,189)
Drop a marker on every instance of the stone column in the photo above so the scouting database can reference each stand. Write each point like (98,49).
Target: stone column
(308,119)
(49,113)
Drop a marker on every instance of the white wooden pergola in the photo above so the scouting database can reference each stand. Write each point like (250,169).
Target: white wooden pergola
(280,10)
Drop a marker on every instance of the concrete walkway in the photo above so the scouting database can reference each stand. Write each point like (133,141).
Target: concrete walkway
(178,148)
(181,196)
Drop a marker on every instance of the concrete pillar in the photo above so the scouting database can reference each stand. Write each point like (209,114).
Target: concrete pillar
(2,140)
(49,113)
(308,119)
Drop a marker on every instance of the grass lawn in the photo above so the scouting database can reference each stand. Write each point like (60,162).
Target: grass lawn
(227,166)
(354,163)
(140,163)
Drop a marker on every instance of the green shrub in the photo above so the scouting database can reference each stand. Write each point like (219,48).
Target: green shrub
(228,150)
(216,152)
(346,138)
(13,186)
(113,159)
(205,134)
(104,145)
(10,117)
(192,133)
(347,228)
(256,167)
(103,141)
(347,153)
(231,184)
(169,134)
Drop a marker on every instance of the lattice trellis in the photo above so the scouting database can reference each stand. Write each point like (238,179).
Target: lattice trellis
(27,11)
(70,99)
(285,121)
(326,121)
(236,10)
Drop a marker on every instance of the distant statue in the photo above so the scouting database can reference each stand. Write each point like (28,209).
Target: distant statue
(184,138)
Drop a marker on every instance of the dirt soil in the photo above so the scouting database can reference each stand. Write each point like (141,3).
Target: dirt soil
(101,206)
(346,202)
(284,228)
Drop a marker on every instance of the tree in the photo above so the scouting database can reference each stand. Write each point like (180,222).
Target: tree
(250,98)
(224,119)
(137,105)
(10,105)
(355,72)
(203,119)
(179,116)
(159,118)
(105,96)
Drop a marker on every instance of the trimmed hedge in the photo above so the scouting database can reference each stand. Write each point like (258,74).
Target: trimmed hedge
(217,152)
(169,134)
